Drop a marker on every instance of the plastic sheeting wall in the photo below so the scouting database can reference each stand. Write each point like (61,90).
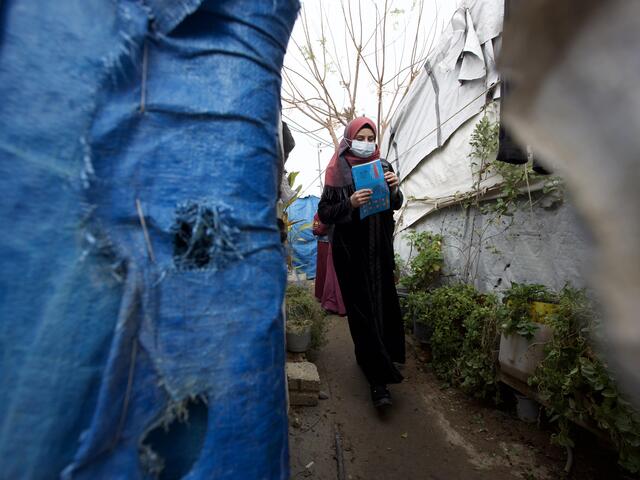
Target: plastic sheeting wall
(548,245)
(444,175)
(453,87)
(302,241)
(114,112)
(429,142)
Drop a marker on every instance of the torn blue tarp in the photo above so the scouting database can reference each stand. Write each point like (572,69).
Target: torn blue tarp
(138,171)
(301,240)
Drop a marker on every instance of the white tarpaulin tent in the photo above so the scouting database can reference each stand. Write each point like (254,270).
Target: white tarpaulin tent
(457,81)
(427,141)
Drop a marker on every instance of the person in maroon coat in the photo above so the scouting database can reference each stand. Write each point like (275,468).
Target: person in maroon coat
(327,290)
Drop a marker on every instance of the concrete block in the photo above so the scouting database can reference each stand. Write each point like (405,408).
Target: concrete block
(306,399)
(293,384)
(303,377)
(310,386)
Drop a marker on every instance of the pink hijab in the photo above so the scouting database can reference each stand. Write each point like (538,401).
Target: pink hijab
(338,172)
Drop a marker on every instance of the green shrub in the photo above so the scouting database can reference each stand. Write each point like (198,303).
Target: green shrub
(575,383)
(478,362)
(464,340)
(518,301)
(572,381)
(448,307)
(400,267)
(426,264)
(416,305)
(303,309)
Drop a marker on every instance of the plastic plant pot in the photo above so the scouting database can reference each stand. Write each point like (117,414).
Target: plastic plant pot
(422,331)
(298,341)
(540,310)
(527,409)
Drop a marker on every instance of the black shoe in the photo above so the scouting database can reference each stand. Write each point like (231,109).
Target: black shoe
(399,366)
(380,396)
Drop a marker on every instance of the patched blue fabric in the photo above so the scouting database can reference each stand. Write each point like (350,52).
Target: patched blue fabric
(167,14)
(142,274)
(303,244)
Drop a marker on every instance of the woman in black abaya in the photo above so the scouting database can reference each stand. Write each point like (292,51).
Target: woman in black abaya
(364,260)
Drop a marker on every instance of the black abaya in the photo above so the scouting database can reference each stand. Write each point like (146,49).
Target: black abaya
(364,262)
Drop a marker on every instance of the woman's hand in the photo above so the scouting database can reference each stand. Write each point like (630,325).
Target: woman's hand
(360,197)
(392,180)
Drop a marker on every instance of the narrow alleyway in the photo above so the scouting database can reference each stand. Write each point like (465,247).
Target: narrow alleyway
(429,433)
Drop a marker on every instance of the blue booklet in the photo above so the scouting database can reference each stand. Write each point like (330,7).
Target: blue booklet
(371,175)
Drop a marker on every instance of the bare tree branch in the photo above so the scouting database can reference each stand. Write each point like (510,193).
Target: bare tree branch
(325,73)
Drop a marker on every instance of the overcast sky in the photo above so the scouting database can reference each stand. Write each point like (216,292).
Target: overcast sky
(304,158)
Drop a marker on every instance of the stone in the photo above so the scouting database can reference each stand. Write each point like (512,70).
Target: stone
(296,423)
(303,377)
(310,386)
(293,384)
(304,399)
(323,396)
(303,382)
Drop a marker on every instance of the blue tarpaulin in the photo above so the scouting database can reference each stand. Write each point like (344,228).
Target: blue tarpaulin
(138,173)
(301,239)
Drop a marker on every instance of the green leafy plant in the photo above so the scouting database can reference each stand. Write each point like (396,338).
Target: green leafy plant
(304,311)
(465,339)
(478,362)
(574,382)
(518,301)
(484,144)
(484,147)
(447,309)
(515,179)
(400,267)
(425,266)
(417,305)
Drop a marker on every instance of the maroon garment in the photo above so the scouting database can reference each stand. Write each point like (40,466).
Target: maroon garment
(320,230)
(327,290)
(338,175)
(331,296)
(321,268)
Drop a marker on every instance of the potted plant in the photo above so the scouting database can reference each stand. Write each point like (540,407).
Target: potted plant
(540,309)
(462,326)
(298,333)
(305,322)
(425,267)
(417,309)
(523,332)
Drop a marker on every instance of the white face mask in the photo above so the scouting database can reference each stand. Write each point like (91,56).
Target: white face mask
(362,149)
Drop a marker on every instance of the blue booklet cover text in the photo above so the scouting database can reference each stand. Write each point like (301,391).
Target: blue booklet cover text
(370,175)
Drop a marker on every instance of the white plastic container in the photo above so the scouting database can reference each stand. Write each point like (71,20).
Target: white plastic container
(299,341)
(519,357)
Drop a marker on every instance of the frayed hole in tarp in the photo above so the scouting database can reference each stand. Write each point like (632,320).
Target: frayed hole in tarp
(170,449)
(202,237)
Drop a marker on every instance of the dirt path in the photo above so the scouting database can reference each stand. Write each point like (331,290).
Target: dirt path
(429,433)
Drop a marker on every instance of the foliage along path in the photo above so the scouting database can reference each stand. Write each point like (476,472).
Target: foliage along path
(429,433)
